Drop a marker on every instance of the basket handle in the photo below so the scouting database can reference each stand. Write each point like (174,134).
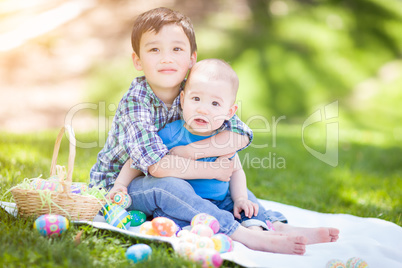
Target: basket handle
(71,155)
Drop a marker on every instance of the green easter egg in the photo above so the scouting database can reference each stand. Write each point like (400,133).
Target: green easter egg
(137,217)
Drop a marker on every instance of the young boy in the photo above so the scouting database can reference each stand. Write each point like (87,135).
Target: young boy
(164,48)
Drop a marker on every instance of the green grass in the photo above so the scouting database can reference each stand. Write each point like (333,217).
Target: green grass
(367,182)
(29,155)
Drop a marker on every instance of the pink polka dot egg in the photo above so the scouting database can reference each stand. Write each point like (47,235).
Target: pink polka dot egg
(202,230)
(51,225)
(206,219)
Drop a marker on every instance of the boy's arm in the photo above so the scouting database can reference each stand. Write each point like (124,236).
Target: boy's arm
(238,192)
(124,178)
(223,143)
(235,136)
(179,167)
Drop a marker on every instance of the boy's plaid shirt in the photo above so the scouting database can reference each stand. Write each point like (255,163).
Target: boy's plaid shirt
(140,115)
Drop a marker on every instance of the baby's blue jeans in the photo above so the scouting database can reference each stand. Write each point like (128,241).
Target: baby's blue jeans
(175,199)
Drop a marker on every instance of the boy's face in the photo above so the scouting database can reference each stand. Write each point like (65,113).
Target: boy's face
(165,57)
(207,104)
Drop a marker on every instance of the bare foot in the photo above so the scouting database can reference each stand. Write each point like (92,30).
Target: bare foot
(271,241)
(313,235)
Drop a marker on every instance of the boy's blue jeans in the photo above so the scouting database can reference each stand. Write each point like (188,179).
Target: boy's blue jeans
(175,199)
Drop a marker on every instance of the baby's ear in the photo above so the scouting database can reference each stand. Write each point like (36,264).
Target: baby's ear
(232,111)
(136,61)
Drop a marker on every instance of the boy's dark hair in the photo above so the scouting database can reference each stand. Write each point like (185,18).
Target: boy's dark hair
(155,19)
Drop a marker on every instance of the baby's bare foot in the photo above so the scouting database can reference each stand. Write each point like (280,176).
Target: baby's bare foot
(287,244)
(313,235)
(320,235)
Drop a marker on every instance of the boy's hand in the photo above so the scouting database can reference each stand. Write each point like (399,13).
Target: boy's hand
(116,188)
(224,168)
(182,152)
(250,208)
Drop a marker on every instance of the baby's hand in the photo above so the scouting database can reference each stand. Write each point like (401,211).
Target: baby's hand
(240,204)
(116,188)
(224,168)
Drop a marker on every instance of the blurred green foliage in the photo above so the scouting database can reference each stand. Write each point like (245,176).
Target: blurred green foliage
(293,56)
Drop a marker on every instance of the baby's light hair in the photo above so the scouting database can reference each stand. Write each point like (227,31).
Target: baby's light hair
(155,19)
(217,69)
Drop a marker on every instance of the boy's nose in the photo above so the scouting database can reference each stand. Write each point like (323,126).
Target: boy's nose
(166,58)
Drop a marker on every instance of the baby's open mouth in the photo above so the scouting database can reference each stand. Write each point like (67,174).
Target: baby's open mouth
(200,121)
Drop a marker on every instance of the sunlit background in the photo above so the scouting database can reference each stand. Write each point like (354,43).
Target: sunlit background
(292,57)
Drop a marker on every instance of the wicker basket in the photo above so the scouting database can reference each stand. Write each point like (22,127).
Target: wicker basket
(72,206)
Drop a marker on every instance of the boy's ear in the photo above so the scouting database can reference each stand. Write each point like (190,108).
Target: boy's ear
(136,61)
(182,99)
(193,59)
(232,111)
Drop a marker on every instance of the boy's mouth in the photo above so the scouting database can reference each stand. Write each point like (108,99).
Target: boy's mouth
(167,70)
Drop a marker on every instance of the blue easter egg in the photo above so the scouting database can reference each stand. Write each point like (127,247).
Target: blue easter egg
(117,216)
(138,253)
(137,217)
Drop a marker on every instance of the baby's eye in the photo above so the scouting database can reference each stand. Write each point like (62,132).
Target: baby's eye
(177,49)
(196,98)
(154,49)
(215,103)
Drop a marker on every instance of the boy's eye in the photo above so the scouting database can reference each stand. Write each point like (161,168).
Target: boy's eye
(215,103)
(196,98)
(154,49)
(177,49)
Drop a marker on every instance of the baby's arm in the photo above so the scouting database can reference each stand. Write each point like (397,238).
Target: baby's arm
(126,175)
(238,192)
(223,143)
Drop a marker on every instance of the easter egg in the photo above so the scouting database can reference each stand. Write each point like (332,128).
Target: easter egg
(185,249)
(79,187)
(356,263)
(202,230)
(209,258)
(50,184)
(117,216)
(164,226)
(189,237)
(147,229)
(206,219)
(138,253)
(205,242)
(222,242)
(49,225)
(335,263)
(182,233)
(122,199)
(137,217)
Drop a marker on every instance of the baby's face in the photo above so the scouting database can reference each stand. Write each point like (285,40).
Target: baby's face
(165,57)
(207,104)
